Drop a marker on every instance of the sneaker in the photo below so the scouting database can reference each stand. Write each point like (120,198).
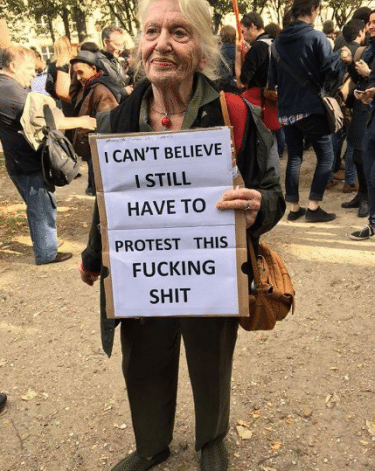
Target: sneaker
(363,234)
(319,215)
(294,215)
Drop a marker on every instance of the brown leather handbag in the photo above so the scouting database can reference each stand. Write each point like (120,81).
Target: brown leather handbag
(272,296)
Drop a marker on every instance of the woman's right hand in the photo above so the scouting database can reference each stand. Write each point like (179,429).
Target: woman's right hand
(86,276)
(87,122)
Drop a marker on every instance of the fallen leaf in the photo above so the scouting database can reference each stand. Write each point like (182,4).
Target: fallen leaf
(29,395)
(289,421)
(276,445)
(370,427)
(244,433)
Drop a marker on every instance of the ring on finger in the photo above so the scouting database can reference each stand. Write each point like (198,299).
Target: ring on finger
(249,207)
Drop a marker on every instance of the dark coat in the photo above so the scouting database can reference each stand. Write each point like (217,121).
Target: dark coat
(251,160)
(92,99)
(309,53)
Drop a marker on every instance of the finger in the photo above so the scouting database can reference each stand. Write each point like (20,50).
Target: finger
(242,193)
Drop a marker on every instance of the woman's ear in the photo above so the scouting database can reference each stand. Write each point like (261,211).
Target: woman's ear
(202,63)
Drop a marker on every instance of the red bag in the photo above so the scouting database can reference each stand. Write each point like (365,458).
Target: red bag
(270,111)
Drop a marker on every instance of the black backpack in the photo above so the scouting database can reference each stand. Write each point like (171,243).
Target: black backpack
(60,163)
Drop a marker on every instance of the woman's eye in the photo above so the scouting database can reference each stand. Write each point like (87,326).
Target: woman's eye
(180,33)
(150,32)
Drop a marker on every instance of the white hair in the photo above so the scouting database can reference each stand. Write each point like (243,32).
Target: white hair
(198,14)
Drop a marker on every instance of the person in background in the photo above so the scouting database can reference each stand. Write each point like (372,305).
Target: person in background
(359,72)
(179,52)
(368,154)
(98,92)
(23,164)
(301,111)
(227,80)
(329,31)
(113,39)
(58,71)
(38,84)
(354,33)
(362,13)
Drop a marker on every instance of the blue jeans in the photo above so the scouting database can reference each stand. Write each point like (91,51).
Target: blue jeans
(315,129)
(368,156)
(350,168)
(41,214)
(337,142)
(280,141)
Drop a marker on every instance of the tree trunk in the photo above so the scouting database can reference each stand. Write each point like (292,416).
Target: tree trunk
(50,27)
(65,18)
(80,19)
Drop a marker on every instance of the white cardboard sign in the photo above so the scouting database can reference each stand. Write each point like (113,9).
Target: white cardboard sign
(168,250)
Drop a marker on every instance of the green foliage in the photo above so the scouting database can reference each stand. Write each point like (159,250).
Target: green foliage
(342,10)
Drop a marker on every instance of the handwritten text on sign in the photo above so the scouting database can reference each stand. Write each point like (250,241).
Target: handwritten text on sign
(171,252)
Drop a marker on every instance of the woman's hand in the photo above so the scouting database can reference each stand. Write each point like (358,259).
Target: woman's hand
(86,276)
(346,55)
(87,122)
(362,68)
(367,96)
(244,198)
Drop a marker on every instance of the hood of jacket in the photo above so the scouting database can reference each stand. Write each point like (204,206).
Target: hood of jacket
(294,32)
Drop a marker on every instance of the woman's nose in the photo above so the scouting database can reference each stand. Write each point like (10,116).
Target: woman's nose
(163,42)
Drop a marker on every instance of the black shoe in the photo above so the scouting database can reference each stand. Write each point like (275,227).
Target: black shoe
(214,456)
(363,234)
(3,401)
(60,257)
(294,215)
(89,191)
(363,209)
(134,462)
(319,215)
(353,203)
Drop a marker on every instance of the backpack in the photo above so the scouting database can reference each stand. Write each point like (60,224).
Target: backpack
(60,163)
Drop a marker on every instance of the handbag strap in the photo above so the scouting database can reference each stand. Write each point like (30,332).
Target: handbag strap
(306,82)
(253,257)
(250,245)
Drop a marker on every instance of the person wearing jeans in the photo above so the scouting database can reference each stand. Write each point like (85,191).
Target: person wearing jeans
(368,156)
(41,214)
(314,128)
(23,163)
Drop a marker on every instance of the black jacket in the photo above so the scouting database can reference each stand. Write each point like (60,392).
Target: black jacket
(251,160)
(309,53)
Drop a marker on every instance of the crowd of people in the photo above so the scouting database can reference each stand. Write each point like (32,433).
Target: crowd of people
(172,82)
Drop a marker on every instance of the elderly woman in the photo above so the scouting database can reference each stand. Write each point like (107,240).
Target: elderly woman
(178,53)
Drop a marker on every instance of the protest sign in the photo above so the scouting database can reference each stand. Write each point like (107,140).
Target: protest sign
(168,250)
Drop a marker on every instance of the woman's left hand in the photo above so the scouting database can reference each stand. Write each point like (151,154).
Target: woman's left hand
(245,199)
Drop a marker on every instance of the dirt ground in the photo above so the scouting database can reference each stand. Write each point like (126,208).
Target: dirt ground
(303,395)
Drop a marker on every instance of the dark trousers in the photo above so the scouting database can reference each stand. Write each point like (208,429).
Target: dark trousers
(314,128)
(151,351)
(368,156)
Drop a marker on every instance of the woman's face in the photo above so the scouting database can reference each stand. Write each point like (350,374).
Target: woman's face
(170,46)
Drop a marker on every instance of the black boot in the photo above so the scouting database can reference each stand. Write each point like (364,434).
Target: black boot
(353,203)
(363,209)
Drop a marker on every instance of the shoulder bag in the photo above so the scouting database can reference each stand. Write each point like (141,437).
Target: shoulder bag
(271,294)
(334,113)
